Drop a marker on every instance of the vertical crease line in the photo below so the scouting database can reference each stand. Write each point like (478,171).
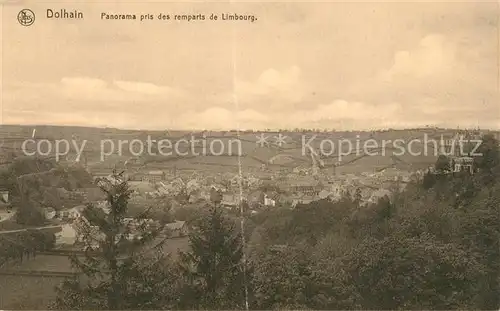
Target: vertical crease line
(240,174)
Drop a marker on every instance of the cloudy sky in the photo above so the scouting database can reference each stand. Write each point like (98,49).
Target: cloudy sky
(323,65)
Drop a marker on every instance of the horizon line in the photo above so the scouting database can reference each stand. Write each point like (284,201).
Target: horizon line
(421,127)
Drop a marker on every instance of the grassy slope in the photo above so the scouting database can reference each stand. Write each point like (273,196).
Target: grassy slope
(34,293)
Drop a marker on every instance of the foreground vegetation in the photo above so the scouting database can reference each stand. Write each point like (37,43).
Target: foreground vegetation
(434,245)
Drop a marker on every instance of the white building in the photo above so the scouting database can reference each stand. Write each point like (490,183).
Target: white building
(463,164)
(268,201)
(67,235)
(49,212)
(4,196)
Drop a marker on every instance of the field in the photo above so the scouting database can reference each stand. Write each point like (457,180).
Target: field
(274,157)
(26,293)
(34,293)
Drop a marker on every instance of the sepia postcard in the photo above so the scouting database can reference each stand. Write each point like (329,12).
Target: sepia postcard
(249,155)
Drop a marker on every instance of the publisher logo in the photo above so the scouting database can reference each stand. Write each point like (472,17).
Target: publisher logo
(26,17)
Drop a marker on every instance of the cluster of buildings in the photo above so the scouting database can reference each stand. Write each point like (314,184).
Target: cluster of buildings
(286,188)
(458,148)
(5,205)
(78,229)
(303,189)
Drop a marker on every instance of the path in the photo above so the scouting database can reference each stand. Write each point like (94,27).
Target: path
(26,229)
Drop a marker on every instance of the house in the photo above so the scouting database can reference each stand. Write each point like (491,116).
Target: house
(138,176)
(92,194)
(307,186)
(270,200)
(104,180)
(304,200)
(463,164)
(173,187)
(72,213)
(137,227)
(141,187)
(199,196)
(4,196)
(49,212)
(230,200)
(86,194)
(155,176)
(255,198)
(76,212)
(235,181)
(67,235)
(177,229)
(77,196)
(323,194)
(4,200)
(278,248)
(135,224)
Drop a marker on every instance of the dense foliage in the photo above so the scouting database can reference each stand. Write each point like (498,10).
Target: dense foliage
(20,245)
(213,270)
(434,245)
(119,270)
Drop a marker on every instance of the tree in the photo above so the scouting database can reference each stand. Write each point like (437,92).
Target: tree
(188,213)
(17,246)
(281,278)
(357,196)
(215,196)
(488,159)
(489,153)
(213,267)
(162,211)
(21,166)
(429,180)
(29,213)
(116,266)
(413,273)
(442,164)
(384,207)
(479,232)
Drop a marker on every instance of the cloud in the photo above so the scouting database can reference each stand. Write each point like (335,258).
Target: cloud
(342,109)
(434,56)
(222,118)
(327,116)
(147,88)
(441,80)
(425,63)
(83,83)
(93,102)
(77,88)
(273,89)
(91,94)
(97,89)
(64,118)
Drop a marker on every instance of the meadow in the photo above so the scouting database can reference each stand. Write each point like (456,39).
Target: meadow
(35,292)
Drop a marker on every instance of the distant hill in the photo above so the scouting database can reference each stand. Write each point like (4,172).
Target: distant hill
(67,178)
(253,155)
